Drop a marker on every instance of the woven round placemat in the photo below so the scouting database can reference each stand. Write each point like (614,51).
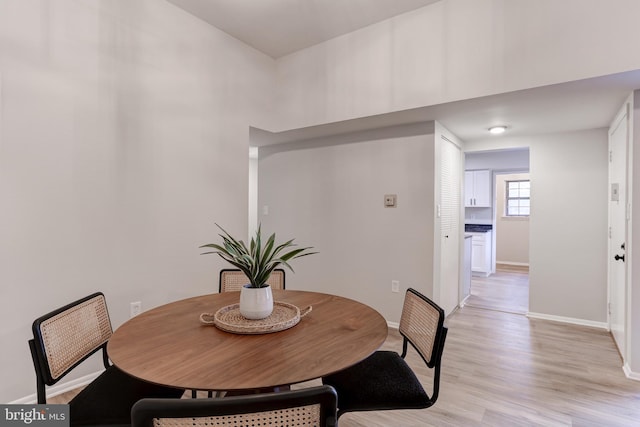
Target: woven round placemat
(229,319)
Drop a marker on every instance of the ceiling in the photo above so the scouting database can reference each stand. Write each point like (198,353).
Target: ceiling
(279,27)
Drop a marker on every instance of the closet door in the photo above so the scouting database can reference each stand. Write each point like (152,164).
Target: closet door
(450,192)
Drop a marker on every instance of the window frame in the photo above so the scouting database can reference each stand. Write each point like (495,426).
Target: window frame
(507,199)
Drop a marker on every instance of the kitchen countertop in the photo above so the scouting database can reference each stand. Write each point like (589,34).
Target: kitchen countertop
(477,228)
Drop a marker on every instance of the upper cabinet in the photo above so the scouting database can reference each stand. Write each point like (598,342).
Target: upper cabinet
(477,189)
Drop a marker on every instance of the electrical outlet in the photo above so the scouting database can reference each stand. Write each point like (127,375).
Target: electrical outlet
(135,308)
(395,286)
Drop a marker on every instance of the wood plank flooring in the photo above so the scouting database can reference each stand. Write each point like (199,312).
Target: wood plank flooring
(501,368)
(504,369)
(505,290)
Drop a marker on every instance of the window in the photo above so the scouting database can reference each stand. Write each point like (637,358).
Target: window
(518,198)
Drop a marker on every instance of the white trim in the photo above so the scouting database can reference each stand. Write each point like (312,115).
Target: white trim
(58,389)
(515,217)
(393,325)
(517,264)
(464,301)
(571,320)
(629,373)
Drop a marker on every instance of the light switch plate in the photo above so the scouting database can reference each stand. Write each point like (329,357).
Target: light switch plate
(615,192)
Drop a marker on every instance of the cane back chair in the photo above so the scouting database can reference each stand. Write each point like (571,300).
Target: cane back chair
(315,406)
(234,280)
(384,380)
(64,338)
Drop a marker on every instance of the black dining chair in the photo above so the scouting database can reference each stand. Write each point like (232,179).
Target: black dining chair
(234,279)
(231,280)
(64,338)
(384,381)
(315,406)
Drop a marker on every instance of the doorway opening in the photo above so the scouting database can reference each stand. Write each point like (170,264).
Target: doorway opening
(503,284)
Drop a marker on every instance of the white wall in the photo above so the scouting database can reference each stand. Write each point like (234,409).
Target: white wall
(253,192)
(501,160)
(568,253)
(568,223)
(461,49)
(124,136)
(329,193)
(511,233)
(454,50)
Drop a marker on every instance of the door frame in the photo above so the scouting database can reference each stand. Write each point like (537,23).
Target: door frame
(623,114)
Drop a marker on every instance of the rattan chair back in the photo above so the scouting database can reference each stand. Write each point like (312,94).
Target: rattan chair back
(233,280)
(384,380)
(421,323)
(315,406)
(64,338)
(68,335)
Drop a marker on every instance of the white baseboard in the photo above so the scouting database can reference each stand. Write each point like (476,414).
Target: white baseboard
(518,264)
(464,301)
(629,373)
(571,320)
(481,273)
(58,389)
(393,325)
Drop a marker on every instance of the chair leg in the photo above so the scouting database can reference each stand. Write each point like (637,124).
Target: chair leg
(194,394)
(41,391)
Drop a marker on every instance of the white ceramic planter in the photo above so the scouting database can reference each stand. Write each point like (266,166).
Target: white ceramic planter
(256,303)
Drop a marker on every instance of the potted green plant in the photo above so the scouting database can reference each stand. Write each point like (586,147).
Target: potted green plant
(257,262)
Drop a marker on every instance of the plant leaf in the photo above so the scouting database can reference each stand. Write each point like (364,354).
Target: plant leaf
(258,260)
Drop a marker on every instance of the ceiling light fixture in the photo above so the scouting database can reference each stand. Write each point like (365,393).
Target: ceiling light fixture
(497,130)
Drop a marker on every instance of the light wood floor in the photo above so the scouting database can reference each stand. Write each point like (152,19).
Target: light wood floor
(501,368)
(504,369)
(505,290)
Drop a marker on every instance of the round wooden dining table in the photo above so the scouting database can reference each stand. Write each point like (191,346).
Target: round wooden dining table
(169,345)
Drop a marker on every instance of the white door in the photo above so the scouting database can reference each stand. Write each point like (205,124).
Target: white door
(618,228)
(450,177)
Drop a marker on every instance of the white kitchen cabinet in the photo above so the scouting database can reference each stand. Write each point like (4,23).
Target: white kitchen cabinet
(477,189)
(481,253)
